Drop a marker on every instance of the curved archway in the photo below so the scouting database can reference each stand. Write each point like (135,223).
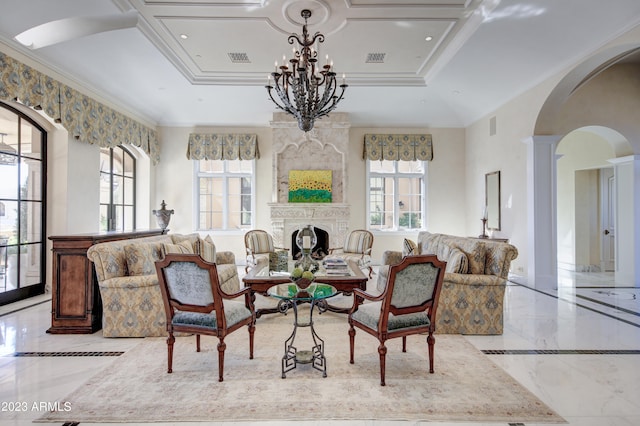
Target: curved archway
(599,96)
(579,85)
(585,207)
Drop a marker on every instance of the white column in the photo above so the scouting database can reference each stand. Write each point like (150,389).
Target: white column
(627,237)
(542,268)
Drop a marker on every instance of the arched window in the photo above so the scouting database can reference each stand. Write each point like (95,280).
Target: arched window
(117,189)
(22,197)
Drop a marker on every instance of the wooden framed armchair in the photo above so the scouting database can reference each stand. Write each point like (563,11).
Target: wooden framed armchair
(259,244)
(357,247)
(407,306)
(195,303)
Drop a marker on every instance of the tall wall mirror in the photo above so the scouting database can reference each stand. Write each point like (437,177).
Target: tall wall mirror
(492,199)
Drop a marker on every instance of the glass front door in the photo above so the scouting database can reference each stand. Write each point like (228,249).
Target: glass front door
(22,206)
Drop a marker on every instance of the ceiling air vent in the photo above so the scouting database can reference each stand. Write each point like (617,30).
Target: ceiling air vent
(375,58)
(239,58)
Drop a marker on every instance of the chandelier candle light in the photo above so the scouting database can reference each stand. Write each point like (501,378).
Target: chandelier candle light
(305,89)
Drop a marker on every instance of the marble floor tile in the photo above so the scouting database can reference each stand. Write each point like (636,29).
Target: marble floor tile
(577,348)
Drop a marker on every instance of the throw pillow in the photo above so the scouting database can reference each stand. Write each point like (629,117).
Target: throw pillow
(191,238)
(207,249)
(141,258)
(183,247)
(409,248)
(457,262)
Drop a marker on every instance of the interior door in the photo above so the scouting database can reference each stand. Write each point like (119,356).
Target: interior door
(607,214)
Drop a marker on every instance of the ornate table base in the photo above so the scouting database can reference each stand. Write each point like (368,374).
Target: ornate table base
(292,356)
(290,296)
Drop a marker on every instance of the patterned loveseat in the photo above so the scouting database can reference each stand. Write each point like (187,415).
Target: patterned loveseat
(132,303)
(471,300)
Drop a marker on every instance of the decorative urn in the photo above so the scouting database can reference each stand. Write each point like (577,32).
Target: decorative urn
(163,216)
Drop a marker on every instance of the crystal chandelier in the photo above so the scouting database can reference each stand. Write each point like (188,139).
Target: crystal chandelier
(305,89)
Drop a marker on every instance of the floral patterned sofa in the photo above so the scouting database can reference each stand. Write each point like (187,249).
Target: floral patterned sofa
(132,303)
(471,300)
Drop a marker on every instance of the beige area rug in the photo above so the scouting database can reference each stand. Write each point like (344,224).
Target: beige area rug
(466,385)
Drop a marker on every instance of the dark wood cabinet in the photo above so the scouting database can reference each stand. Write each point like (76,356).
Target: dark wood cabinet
(76,307)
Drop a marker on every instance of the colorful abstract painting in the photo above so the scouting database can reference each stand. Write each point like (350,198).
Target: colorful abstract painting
(310,186)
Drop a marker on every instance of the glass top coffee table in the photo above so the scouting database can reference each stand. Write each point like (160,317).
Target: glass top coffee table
(289,295)
(260,280)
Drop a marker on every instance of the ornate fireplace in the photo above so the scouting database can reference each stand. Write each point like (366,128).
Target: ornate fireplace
(323,148)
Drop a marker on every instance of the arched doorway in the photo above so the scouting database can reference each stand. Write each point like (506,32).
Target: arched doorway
(586,207)
(23,155)
(606,93)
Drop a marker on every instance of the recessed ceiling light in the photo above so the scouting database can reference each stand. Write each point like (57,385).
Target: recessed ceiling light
(428,38)
(184,36)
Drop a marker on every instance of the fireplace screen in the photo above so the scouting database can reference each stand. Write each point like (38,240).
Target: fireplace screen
(318,252)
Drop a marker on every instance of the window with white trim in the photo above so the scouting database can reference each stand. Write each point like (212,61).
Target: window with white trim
(224,194)
(117,189)
(397,195)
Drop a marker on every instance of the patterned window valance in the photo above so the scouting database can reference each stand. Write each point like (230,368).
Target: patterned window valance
(84,118)
(378,147)
(223,146)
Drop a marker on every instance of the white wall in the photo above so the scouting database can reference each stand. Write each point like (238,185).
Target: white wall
(82,181)
(446,195)
(610,99)
(73,201)
(174,183)
(446,207)
(456,175)
(505,152)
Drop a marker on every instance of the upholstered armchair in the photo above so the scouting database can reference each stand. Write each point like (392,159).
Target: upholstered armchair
(195,303)
(357,247)
(259,245)
(407,306)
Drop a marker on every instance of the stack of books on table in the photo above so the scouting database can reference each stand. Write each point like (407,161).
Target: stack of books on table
(335,266)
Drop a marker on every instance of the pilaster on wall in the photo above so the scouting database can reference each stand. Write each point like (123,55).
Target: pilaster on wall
(541,217)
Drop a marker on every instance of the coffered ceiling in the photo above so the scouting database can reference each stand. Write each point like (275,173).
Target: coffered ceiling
(441,63)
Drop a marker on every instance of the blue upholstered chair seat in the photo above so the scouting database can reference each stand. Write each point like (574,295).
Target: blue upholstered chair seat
(369,315)
(234,312)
